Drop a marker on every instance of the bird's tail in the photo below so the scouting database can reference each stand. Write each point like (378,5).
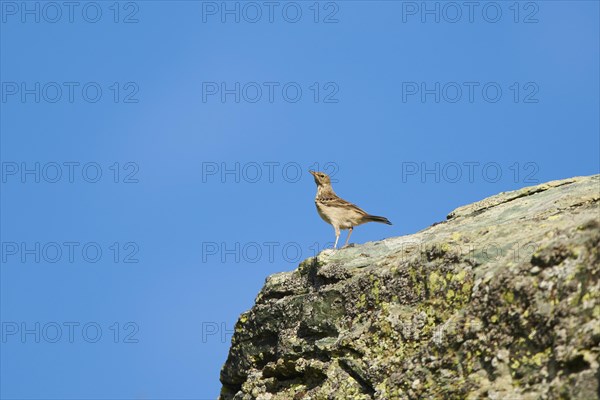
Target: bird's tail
(375,218)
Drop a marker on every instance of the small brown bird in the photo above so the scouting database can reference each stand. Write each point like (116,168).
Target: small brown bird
(338,212)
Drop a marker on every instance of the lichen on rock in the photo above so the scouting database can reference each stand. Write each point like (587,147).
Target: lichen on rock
(500,301)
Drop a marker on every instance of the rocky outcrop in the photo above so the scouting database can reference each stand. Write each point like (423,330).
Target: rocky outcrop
(500,301)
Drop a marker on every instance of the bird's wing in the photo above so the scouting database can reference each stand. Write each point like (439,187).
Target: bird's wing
(335,201)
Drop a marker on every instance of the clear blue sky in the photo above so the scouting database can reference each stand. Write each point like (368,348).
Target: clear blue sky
(210,195)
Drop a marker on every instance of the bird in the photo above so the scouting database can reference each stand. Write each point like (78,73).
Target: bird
(338,212)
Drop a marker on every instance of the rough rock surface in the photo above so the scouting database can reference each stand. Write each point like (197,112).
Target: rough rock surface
(500,301)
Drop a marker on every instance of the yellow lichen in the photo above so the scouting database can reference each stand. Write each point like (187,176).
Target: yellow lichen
(375,291)
(436,282)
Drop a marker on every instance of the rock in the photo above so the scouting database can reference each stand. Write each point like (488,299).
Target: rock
(500,301)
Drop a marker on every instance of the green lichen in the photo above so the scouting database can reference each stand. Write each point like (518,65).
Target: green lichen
(509,297)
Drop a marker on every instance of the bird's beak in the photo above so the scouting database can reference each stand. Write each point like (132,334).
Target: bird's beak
(312,172)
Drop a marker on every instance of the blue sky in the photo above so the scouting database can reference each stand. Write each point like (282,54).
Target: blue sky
(155,159)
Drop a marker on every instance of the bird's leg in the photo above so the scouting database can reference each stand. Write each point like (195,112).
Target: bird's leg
(348,238)
(337,236)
